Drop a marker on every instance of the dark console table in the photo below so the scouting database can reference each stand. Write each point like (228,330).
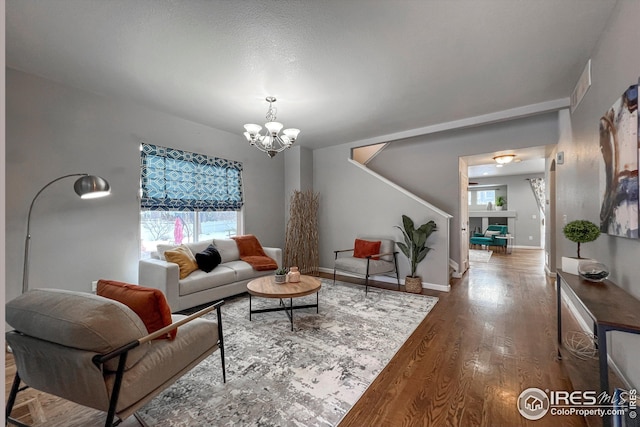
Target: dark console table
(610,307)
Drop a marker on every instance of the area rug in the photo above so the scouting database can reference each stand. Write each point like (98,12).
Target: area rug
(476,255)
(309,377)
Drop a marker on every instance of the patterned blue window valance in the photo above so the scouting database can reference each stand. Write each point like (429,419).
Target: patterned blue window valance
(175,180)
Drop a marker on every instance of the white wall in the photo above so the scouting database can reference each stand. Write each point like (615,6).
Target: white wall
(53,130)
(298,173)
(615,66)
(428,165)
(353,203)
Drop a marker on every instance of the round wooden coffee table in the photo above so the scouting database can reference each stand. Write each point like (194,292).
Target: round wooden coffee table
(266,287)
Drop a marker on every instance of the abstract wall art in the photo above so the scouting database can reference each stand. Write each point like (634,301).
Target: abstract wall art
(620,148)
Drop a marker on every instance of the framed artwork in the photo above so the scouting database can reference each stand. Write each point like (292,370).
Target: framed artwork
(620,148)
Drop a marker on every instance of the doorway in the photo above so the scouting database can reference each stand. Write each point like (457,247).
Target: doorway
(529,224)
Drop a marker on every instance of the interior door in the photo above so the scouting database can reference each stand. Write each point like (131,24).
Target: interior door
(463,168)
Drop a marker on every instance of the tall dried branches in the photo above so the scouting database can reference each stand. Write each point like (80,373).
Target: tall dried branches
(301,243)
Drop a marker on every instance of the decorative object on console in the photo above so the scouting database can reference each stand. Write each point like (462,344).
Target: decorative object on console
(293,276)
(593,271)
(500,202)
(281,275)
(619,142)
(415,249)
(578,231)
(272,143)
(301,242)
(87,187)
(581,344)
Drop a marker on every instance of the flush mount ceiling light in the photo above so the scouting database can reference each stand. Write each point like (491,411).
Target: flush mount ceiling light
(272,143)
(504,158)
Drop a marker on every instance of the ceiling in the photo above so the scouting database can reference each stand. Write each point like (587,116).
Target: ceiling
(527,161)
(342,70)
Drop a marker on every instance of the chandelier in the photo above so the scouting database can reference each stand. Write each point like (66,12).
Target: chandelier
(272,143)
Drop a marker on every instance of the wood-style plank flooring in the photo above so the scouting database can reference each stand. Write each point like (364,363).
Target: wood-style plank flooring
(488,339)
(484,342)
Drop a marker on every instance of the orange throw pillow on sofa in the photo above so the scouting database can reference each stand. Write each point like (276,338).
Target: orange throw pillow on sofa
(148,303)
(365,248)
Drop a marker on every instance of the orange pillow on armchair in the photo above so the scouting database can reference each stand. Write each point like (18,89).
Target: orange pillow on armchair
(365,248)
(148,303)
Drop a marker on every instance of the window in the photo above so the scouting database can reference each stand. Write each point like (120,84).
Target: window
(485,197)
(187,197)
(479,199)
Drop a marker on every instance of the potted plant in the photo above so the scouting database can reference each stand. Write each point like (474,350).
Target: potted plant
(281,275)
(415,249)
(578,231)
(500,202)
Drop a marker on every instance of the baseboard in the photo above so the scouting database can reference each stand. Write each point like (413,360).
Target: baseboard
(549,272)
(392,280)
(576,314)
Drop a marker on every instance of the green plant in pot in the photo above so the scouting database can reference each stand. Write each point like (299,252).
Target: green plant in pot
(500,202)
(578,231)
(281,275)
(415,249)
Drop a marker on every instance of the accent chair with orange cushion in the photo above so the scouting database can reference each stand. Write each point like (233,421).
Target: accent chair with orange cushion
(97,352)
(368,257)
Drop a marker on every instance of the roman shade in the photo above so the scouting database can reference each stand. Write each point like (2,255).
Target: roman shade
(176,180)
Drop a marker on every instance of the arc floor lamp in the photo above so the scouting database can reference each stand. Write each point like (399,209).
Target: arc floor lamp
(87,187)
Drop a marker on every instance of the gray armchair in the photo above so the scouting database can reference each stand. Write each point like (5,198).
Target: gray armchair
(383,263)
(96,351)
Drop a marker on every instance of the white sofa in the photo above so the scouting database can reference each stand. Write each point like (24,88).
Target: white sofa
(227,279)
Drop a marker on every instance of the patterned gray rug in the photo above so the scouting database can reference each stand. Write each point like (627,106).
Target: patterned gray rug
(309,377)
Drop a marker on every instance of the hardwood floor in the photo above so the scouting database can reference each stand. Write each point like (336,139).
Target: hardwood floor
(486,341)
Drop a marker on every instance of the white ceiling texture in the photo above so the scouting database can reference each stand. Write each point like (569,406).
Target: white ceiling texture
(342,70)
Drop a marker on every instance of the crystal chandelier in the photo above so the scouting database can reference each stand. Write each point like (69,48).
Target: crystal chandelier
(272,143)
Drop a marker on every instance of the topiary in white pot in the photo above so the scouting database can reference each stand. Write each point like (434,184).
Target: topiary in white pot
(578,231)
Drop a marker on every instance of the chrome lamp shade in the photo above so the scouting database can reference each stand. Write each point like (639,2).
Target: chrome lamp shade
(91,187)
(87,187)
